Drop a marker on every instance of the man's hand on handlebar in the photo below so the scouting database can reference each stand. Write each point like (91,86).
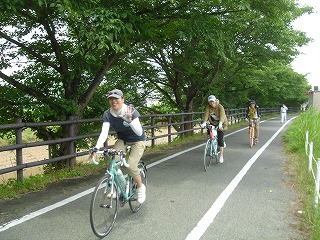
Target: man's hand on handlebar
(92,155)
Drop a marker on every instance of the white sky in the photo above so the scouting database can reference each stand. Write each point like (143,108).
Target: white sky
(308,62)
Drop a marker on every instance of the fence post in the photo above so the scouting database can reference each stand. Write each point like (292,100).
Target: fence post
(307,142)
(71,161)
(316,192)
(200,123)
(19,157)
(192,125)
(169,129)
(310,156)
(152,132)
(182,126)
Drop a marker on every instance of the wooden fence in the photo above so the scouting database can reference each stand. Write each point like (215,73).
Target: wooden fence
(176,122)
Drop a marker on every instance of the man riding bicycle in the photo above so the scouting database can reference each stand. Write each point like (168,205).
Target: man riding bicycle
(125,121)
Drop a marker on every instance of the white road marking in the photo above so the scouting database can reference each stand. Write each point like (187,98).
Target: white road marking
(210,215)
(25,218)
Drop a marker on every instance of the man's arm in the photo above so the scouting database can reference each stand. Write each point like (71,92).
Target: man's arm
(103,135)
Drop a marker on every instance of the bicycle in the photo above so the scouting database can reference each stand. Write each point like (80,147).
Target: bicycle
(211,149)
(252,132)
(110,192)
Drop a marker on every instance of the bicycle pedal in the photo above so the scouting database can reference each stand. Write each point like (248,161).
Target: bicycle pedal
(122,201)
(133,199)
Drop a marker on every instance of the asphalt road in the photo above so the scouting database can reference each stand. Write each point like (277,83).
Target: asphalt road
(247,197)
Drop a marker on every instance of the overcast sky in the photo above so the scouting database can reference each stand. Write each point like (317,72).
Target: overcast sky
(308,62)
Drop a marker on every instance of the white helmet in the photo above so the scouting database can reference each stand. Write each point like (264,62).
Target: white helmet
(212,98)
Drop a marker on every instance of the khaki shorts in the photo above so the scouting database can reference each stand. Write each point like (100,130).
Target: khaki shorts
(136,153)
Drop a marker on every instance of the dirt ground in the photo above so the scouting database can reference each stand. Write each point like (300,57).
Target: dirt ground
(8,159)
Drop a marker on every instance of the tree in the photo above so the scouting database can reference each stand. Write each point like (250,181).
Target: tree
(68,47)
(224,52)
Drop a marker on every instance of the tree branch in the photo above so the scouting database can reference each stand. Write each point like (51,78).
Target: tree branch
(86,97)
(27,90)
(28,50)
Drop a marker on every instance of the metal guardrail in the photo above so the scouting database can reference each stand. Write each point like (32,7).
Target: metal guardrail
(315,173)
(152,122)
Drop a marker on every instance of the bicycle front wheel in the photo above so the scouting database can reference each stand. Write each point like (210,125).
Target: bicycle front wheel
(135,206)
(207,158)
(103,207)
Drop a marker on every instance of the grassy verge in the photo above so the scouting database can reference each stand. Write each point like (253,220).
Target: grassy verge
(14,189)
(298,164)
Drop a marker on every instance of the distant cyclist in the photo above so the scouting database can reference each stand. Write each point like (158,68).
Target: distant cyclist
(215,114)
(253,114)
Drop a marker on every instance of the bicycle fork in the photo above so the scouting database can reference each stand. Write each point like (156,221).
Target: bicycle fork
(109,183)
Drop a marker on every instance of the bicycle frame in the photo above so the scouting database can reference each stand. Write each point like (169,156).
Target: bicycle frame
(213,134)
(252,131)
(112,171)
(114,177)
(211,148)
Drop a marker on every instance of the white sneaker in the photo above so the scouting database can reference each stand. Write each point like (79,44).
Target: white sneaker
(141,194)
(114,196)
(221,159)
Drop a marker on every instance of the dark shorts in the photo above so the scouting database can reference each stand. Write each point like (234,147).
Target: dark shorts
(220,138)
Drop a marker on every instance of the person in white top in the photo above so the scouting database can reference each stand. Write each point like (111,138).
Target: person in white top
(283,111)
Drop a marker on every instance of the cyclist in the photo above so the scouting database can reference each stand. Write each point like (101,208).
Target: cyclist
(253,113)
(283,111)
(125,121)
(215,114)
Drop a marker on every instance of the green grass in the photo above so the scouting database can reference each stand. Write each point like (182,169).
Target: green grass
(14,189)
(298,166)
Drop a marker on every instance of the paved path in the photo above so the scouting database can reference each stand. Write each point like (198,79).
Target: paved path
(244,198)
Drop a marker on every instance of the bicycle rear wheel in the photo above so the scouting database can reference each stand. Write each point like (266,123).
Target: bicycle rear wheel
(103,207)
(135,206)
(251,136)
(207,158)
(215,152)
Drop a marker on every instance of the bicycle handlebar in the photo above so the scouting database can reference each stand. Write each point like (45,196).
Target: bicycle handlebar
(110,152)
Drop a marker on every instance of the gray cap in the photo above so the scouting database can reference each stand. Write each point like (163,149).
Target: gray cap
(115,93)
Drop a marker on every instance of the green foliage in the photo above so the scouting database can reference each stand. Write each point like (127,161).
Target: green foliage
(236,62)
(9,138)
(295,138)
